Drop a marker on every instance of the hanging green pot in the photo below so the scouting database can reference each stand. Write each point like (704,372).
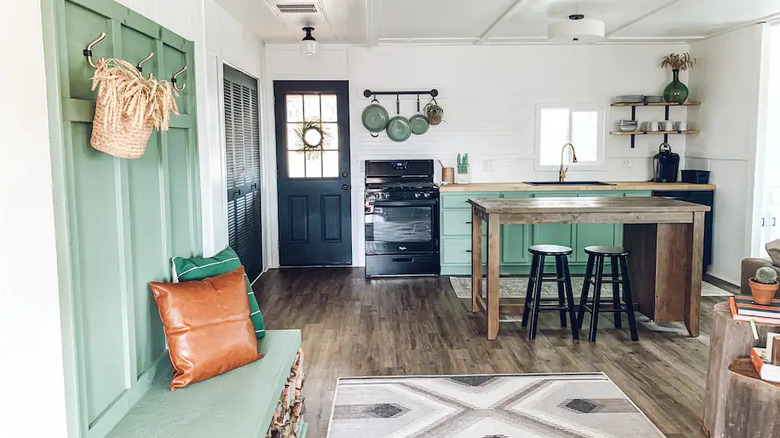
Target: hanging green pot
(676,91)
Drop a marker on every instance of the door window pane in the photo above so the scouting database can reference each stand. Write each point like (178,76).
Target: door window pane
(331,136)
(313,164)
(311,107)
(294,142)
(329,108)
(330,164)
(294,108)
(295,165)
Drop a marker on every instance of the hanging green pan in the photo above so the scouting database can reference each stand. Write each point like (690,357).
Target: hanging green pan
(418,121)
(398,128)
(375,118)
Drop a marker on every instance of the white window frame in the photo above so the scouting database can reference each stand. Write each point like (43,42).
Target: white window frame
(600,163)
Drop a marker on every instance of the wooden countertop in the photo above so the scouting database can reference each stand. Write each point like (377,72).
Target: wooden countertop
(586,205)
(615,186)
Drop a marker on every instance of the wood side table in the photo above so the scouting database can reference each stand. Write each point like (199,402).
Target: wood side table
(729,340)
(752,404)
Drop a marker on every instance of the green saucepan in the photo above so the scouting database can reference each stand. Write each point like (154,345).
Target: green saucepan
(418,121)
(399,129)
(375,118)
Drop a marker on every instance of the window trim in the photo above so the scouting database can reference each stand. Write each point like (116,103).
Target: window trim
(600,163)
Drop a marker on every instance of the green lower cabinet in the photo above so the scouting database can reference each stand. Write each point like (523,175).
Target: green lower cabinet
(515,239)
(553,234)
(595,234)
(457,250)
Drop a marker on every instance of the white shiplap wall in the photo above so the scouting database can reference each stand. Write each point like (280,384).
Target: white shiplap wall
(489,94)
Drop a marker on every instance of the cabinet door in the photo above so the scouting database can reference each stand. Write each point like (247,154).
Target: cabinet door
(515,239)
(553,234)
(458,223)
(594,234)
(457,251)
(461,200)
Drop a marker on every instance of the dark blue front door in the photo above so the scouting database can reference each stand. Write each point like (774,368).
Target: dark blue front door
(312,149)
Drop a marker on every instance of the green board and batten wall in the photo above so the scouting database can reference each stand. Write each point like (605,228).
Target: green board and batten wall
(118,221)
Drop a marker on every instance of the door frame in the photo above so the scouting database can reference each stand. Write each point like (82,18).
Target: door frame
(273,188)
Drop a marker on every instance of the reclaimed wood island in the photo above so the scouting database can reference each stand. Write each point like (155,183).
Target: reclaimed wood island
(665,238)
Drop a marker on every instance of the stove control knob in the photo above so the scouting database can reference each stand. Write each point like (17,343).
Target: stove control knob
(427,194)
(385,195)
(417,195)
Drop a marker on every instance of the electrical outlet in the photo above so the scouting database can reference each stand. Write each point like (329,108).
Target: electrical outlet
(626,162)
(487,165)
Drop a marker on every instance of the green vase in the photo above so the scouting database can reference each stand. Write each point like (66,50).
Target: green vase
(676,91)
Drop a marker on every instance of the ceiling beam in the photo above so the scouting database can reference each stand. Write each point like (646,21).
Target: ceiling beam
(512,7)
(372,8)
(641,17)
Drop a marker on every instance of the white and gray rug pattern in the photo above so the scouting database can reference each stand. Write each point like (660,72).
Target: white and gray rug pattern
(486,406)
(515,287)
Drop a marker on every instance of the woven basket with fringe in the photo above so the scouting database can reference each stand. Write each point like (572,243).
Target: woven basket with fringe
(127,108)
(123,140)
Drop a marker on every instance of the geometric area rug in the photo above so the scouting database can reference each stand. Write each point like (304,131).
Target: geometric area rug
(486,406)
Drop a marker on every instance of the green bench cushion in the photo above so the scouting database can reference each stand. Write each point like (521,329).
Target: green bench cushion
(225,261)
(239,403)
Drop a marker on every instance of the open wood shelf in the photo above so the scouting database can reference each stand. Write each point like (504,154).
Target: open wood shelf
(686,103)
(691,132)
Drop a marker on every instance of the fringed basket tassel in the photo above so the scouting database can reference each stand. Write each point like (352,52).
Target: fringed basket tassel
(128,107)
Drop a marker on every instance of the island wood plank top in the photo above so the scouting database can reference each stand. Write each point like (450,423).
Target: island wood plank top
(585,205)
(620,186)
(664,237)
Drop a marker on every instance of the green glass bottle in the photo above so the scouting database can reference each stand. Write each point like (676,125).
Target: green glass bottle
(676,91)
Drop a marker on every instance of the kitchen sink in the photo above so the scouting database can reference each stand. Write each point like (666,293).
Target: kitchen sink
(568,183)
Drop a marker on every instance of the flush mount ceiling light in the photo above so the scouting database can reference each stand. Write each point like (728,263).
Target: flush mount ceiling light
(576,29)
(308,43)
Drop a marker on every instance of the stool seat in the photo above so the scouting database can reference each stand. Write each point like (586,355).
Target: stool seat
(606,250)
(550,250)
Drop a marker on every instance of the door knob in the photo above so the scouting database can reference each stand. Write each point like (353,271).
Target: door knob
(345,187)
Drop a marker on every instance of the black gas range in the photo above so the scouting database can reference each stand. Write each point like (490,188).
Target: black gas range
(401,218)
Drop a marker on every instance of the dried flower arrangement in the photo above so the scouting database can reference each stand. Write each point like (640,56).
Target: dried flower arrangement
(128,106)
(678,61)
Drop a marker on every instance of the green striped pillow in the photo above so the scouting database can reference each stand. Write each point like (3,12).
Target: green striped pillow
(222,263)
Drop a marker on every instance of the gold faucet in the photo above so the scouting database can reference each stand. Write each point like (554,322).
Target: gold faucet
(562,171)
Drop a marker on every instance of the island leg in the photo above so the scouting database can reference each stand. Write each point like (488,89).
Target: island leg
(693,289)
(476,260)
(493,261)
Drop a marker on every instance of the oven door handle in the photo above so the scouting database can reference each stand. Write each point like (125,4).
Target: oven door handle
(409,203)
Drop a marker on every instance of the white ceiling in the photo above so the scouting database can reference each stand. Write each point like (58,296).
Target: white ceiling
(375,22)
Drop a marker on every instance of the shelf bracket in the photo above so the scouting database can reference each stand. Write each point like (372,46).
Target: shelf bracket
(633,117)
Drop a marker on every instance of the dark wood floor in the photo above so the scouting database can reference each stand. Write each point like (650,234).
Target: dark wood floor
(357,327)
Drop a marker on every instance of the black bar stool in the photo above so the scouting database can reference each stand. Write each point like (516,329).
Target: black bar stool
(619,280)
(533,296)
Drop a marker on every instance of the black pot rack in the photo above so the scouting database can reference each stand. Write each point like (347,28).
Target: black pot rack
(369,93)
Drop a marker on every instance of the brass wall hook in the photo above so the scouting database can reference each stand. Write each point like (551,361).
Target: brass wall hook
(141,62)
(173,79)
(88,51)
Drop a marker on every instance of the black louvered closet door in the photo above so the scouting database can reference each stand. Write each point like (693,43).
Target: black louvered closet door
(242,144)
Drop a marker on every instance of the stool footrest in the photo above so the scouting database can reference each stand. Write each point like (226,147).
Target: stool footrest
(547,308)
(589,309)
(607,280)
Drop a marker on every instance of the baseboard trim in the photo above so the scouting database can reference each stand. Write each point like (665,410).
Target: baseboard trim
(723,284)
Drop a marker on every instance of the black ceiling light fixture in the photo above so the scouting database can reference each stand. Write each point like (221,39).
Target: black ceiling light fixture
(308,43)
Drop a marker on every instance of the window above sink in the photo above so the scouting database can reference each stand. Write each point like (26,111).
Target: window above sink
(581,124)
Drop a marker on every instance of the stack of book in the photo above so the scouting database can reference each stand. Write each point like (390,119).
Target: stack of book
(766,361)
(744,309)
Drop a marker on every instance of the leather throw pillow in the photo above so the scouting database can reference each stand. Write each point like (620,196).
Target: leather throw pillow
(207,326)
